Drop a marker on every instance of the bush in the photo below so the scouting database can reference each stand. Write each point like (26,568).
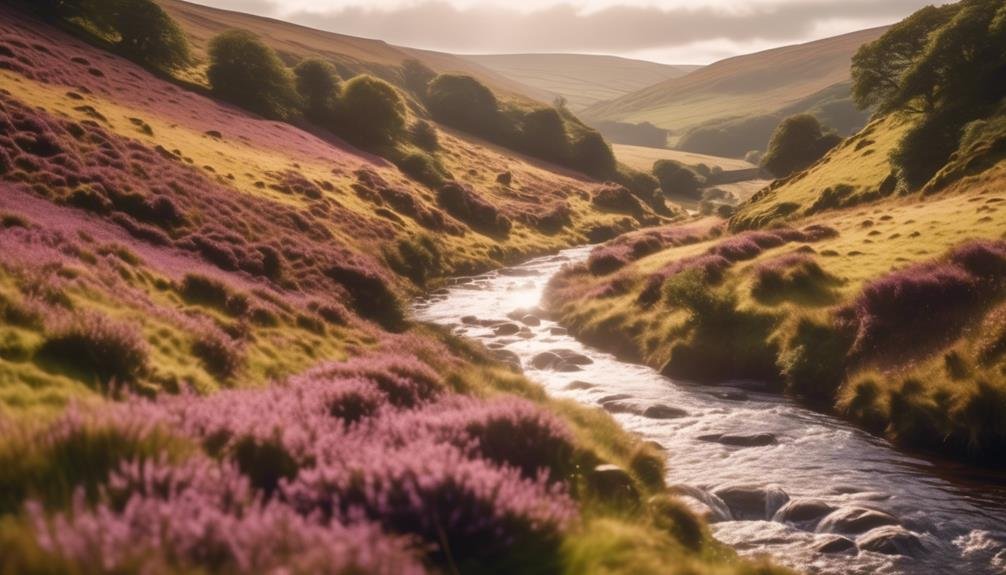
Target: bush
(796,144)
(676,178)
(246,72)
(416,76)
(220,354)
(424,135)
(464,204)
(926,147)
(147,34)
(318,86)
(543,135)
(464,103)
(591,155)
(371,112)
(423,168)
(93,347)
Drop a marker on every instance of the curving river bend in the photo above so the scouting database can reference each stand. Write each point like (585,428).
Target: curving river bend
(773,477)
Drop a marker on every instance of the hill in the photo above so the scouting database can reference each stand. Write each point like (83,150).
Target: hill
(741,89)
(582,79)
(350,54)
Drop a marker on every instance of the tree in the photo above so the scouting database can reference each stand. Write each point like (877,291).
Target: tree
(677,178)
(592,155)
(147,34)
(371,112)
(248,73)
(318,86)
(797,143)
(543,135)
(878,67)
(464,103)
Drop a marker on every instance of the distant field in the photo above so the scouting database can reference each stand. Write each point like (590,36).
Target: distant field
(642,158)
(743,86)
(583,79)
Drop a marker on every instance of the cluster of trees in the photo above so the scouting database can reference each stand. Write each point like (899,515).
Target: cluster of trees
(947,66)
(551,133)
(138,29)
(797,143)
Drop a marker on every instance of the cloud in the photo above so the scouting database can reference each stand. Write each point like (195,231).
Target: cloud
(616,28)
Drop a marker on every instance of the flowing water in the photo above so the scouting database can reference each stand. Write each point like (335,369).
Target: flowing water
(855,504)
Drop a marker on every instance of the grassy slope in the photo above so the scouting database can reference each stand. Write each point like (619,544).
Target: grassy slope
(642,158)
(923,388)
(738,87)
(354,55)
(71,111)
(583,79)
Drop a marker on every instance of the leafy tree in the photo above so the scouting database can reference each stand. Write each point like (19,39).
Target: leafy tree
(543,135)
(318,86)
(371,112)
(248,73)
(798,142)
(677,178)
(464,103)
(147,34)
(878,67)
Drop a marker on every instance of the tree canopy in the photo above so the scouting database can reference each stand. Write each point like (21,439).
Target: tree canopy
(248,73)
(371,112)
(796,144)
(318,86)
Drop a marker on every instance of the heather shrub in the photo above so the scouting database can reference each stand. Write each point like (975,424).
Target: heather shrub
(219,353)
(371,112)
(424,135)
(417,258)
(246,72)
(608,259)
(460,201)
(96,349)
(318,86)
(424,168)
(794,276)
(405,381)
(465,103)
(372,297)
(204,290)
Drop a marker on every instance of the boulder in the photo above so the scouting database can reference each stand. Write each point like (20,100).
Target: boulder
(703,503)
(855,520)
(567,367)
(890,540)
(661,411)
(622,407)
(570,356)
(545,360)
(505,329)
(803,511)
(752,502)
(530,320)
(614,397)
(580,386)
(834,544)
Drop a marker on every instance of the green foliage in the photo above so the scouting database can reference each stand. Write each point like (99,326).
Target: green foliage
(878,67)
(318,86)
(676,178)
(424,135)
(417,76)
(797,143)
(423,168)
(147,34)
(465,103)
(246,72)
(926,147)
(417,258)
(543,135)
(371,112)
(591,155)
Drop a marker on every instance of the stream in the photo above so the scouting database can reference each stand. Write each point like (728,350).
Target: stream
(772,477)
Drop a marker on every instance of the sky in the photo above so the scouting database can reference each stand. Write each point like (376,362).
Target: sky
(668,31)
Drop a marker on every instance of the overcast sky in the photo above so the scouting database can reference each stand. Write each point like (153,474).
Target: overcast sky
(671,31)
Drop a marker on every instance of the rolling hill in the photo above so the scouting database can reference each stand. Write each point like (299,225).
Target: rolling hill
(350,55)
(739,88)
(582,79)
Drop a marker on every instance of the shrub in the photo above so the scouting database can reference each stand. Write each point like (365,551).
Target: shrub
(591,155)
(424,135)
(423,168)
(464,204)
(814,360)
(617,198)
(200,289)
(318,86)
(93,347)
(926,147)
(371,112)
(220,354)
(543,135)
(796,144)
(248,73)
(464,103)
(146,33)
(417,258)
(417,76)
(372,296)
(676,178)
(791,276)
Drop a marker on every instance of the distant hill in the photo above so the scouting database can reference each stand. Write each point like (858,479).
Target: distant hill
(582,79)
(350,54)
(741,88)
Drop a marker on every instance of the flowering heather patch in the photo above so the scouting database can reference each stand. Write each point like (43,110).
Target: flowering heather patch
(927,301)
(627,248)
(98,348)
(710,266)
(200,515)
(795,271)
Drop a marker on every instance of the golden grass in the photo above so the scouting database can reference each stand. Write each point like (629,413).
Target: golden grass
(642,158)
